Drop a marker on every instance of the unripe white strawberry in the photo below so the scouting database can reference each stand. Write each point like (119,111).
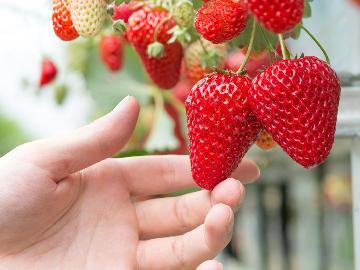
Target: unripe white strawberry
(88,16)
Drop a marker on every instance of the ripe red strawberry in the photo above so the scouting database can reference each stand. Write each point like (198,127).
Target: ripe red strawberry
(297,102)
(193,67)
(111,52)
(165,70)
(256,62)
(221,127)
(124,11)
(48,72)
(278,16)
(62,22)
(221,20)
(265,141)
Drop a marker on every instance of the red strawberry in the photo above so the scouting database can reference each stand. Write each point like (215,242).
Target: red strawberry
(221,127)
(124,11)
(256,62)
(297,102)
(48,72)
(165,70)
(278,16)
(265,141)
(111,52)
(221,20)
(62,22)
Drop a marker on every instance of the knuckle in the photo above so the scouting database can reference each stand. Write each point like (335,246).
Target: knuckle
(141,259)
(182,213)
(168,171)
(178,249)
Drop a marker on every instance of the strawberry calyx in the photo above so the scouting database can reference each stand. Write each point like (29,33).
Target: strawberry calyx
(156,50)
(119,26)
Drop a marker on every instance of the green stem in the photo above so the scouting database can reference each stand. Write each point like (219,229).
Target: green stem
(285,53)
(177,104)
(317,43)
(158,104)
(203,46)
(270,48)
(250,47)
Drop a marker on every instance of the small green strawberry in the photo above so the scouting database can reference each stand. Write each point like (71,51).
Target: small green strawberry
(88,16)
(184,14)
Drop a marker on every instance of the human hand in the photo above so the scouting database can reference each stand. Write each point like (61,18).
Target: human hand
(65,205)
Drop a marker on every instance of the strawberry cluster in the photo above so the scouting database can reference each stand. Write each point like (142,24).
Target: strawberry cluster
(257,93)
(72,18)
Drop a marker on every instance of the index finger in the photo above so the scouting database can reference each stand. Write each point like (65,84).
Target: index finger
(151,175)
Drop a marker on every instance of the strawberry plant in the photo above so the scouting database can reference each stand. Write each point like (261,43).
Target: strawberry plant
(224,64)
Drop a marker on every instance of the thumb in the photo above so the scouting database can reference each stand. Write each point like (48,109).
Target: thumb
(86,146)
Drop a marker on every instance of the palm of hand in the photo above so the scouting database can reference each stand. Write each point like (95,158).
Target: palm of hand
(57,215)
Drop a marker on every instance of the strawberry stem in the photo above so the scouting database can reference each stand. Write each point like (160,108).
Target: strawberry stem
(177,104)
(158,104)
(269,46)
(203,46)
(249,49)
(157,29)
(317,43)
(284,51)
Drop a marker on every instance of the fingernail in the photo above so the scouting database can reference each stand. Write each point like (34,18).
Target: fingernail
(230,222)
(258,173)
(241,199)
(219,266)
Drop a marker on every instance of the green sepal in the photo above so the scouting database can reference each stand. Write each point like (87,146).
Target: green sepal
(209,59)
(156,50)
(180,34)
(119,26)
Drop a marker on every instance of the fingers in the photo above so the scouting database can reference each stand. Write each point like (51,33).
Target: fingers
(88,145)
(247,171)
(210,265)
(189,250)
(164,174)
(186,212)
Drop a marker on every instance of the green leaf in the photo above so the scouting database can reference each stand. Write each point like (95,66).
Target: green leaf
(119,2)
(162,136)
(209,59)
(307,9)
(260,42)
(295,33)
